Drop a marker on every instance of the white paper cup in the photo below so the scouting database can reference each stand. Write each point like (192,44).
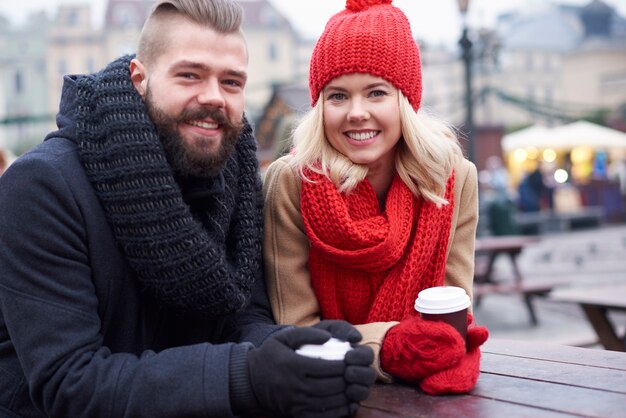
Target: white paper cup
(445,303)
(332,349)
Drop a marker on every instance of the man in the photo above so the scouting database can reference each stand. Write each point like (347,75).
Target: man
(130,271)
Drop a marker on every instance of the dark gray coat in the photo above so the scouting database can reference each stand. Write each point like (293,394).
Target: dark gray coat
(78,336)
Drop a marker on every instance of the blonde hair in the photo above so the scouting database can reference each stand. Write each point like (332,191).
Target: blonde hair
(424,160)
(223,16)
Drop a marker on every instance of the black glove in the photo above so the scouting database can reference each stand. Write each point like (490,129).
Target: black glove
(341,330)
(359,373)
(288,384)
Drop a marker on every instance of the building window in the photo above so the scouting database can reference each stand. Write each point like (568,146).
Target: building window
(548,95)
(529,62)
(269,17)
(530,97)
(272,52)
(19,82)
(72,18)
(40,66)
(125,16)
(547,63)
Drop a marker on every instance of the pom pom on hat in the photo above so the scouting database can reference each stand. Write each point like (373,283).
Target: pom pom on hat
(372,37)
(358,5)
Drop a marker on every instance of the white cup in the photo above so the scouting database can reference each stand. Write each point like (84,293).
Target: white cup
(332,349)
(445,303)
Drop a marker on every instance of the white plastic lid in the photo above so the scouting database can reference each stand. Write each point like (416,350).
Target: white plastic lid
(332,349)
(441,300)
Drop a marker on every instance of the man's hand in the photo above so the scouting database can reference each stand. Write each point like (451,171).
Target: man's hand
(288,384)
(341,330)
(359,373)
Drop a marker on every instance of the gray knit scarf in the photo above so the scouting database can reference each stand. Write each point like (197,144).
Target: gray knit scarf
(202,266)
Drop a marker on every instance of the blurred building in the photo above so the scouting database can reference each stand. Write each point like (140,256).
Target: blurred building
(122,25)
(273,46)
(24,106)
(35,57)
(73,45)
(442,80)
(551,65)
(546,65)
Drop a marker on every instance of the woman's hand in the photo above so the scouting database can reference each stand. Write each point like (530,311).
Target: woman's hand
(416,348)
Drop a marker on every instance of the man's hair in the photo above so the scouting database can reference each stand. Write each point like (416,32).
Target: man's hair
(223,16)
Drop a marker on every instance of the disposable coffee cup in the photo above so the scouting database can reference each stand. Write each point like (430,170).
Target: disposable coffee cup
(332,349)
(445,303)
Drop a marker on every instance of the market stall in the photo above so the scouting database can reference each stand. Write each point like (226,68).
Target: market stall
(583,149)
(575,160)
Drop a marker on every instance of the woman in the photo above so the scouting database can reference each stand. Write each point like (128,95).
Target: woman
(374,203)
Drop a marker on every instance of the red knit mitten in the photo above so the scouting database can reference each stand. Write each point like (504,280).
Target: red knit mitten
(462,377)
(416,348)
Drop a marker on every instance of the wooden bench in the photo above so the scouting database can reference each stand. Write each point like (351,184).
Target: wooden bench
(490,247)
(527,289)
(551,221)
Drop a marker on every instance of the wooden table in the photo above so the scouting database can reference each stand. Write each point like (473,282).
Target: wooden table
(490,248)
(520,379)
(597,301)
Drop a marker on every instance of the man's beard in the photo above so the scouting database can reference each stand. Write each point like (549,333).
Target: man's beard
(185,160)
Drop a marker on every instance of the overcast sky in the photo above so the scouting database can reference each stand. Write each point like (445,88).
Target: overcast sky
(436,21)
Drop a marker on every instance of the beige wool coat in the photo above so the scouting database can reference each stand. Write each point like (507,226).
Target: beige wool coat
(286,249)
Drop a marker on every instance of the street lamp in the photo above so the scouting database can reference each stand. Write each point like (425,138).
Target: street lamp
(466,46)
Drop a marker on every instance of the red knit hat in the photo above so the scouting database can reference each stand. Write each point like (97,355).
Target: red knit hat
(369,36)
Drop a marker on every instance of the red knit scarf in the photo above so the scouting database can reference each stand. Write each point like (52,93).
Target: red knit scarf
(368,266)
